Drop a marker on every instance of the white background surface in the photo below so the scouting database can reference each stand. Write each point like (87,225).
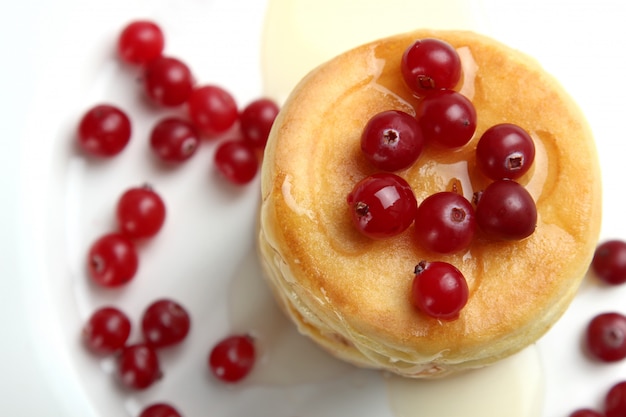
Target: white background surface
(57,59)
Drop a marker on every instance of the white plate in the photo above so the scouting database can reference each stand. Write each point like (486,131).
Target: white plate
(58,59)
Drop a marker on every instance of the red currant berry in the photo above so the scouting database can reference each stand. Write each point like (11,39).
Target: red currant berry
(140,41)
(160,410)
(615,401)
(505,151)
(606,337)
(445,222)
(257,119)
(112,260)
(586,412)
(430,64)
(506,210)
(168,81)
(212,110)
(447,118)
(382,205)
(392,140)
(104,130)
(439,290)
(237,161)
(609,262)
(232,358)
(140,212)
(138,367)
(174,140)
(165,323)
(106,331)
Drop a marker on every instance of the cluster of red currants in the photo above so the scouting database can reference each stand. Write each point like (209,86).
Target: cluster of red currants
(384,205)
(105,129)
(605,335)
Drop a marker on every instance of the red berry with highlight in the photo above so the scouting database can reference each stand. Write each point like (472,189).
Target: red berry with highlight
(382,205)
(237,161)
(615,401)
(112,260)
(140,41)
(439,290)
(606,337)
(609,262)
(104,130)
(174,140)
(160,410)
(505,151)
(168,81)
(138,367)
(212,110)
(140,212)
(392,140)
(257,119)
(430,64)
(106,331)
(447,118)
(232,359)
(165,323)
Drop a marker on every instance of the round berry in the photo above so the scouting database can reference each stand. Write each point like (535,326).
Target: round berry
(445,222)
(138,367)
(447,118)
(140,41)
(430,64)
(586,412)
(168,81)
(165,323)
(212,110)
(112,260)
(506,211)
(106,331)
(232,359)
(609,262)
(615,401)
(237,161)
(505,151)
(160,410)
(606,337)
(104,130)
(439,290)
(382,205)
(392,140)
(174,140)
(140,212)
(257,119)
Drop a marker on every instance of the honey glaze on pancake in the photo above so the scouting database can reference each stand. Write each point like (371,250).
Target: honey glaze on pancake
(353,291)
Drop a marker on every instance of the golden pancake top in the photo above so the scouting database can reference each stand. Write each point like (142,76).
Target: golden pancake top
(517,289)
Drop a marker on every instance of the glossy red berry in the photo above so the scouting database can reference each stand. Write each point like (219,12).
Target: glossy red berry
(505,151)
(160,410)
(615,401)
(174,140)
(392,140)
(140,212)
(165,323)
(445,222)
(257,119)
(609,262)
(506,211)
(104,130)
(232,359)
(382,205)
(439,290)
(606,337)
(430,64)
(106,331)
(112,260)
(212,110)
(138,367)
(140,41)
(237,161)
(168,81)
(586,412)
(447,118)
